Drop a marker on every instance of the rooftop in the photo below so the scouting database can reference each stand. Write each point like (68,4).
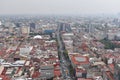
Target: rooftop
(79,59)
(37,37)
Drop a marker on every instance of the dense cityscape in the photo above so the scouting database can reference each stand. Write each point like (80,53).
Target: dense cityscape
(59,48)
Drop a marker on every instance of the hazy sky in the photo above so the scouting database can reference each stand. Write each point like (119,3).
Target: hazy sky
(59,6)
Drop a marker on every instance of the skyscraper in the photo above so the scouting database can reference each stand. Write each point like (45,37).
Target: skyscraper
(25,30)
(32,25)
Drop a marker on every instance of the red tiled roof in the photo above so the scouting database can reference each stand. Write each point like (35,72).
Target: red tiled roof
(4,77)
(20,68)
(4,71)
(80,56)
(80,70)
(109,75)
(109,55)
(111,66)
(36,74)
(57,72)
(1,53)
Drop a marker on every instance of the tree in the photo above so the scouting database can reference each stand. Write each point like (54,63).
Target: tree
(108,44)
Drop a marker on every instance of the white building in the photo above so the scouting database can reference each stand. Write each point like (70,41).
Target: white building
(25,30)
(25,51)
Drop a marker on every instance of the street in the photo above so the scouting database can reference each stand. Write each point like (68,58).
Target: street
(63,61)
